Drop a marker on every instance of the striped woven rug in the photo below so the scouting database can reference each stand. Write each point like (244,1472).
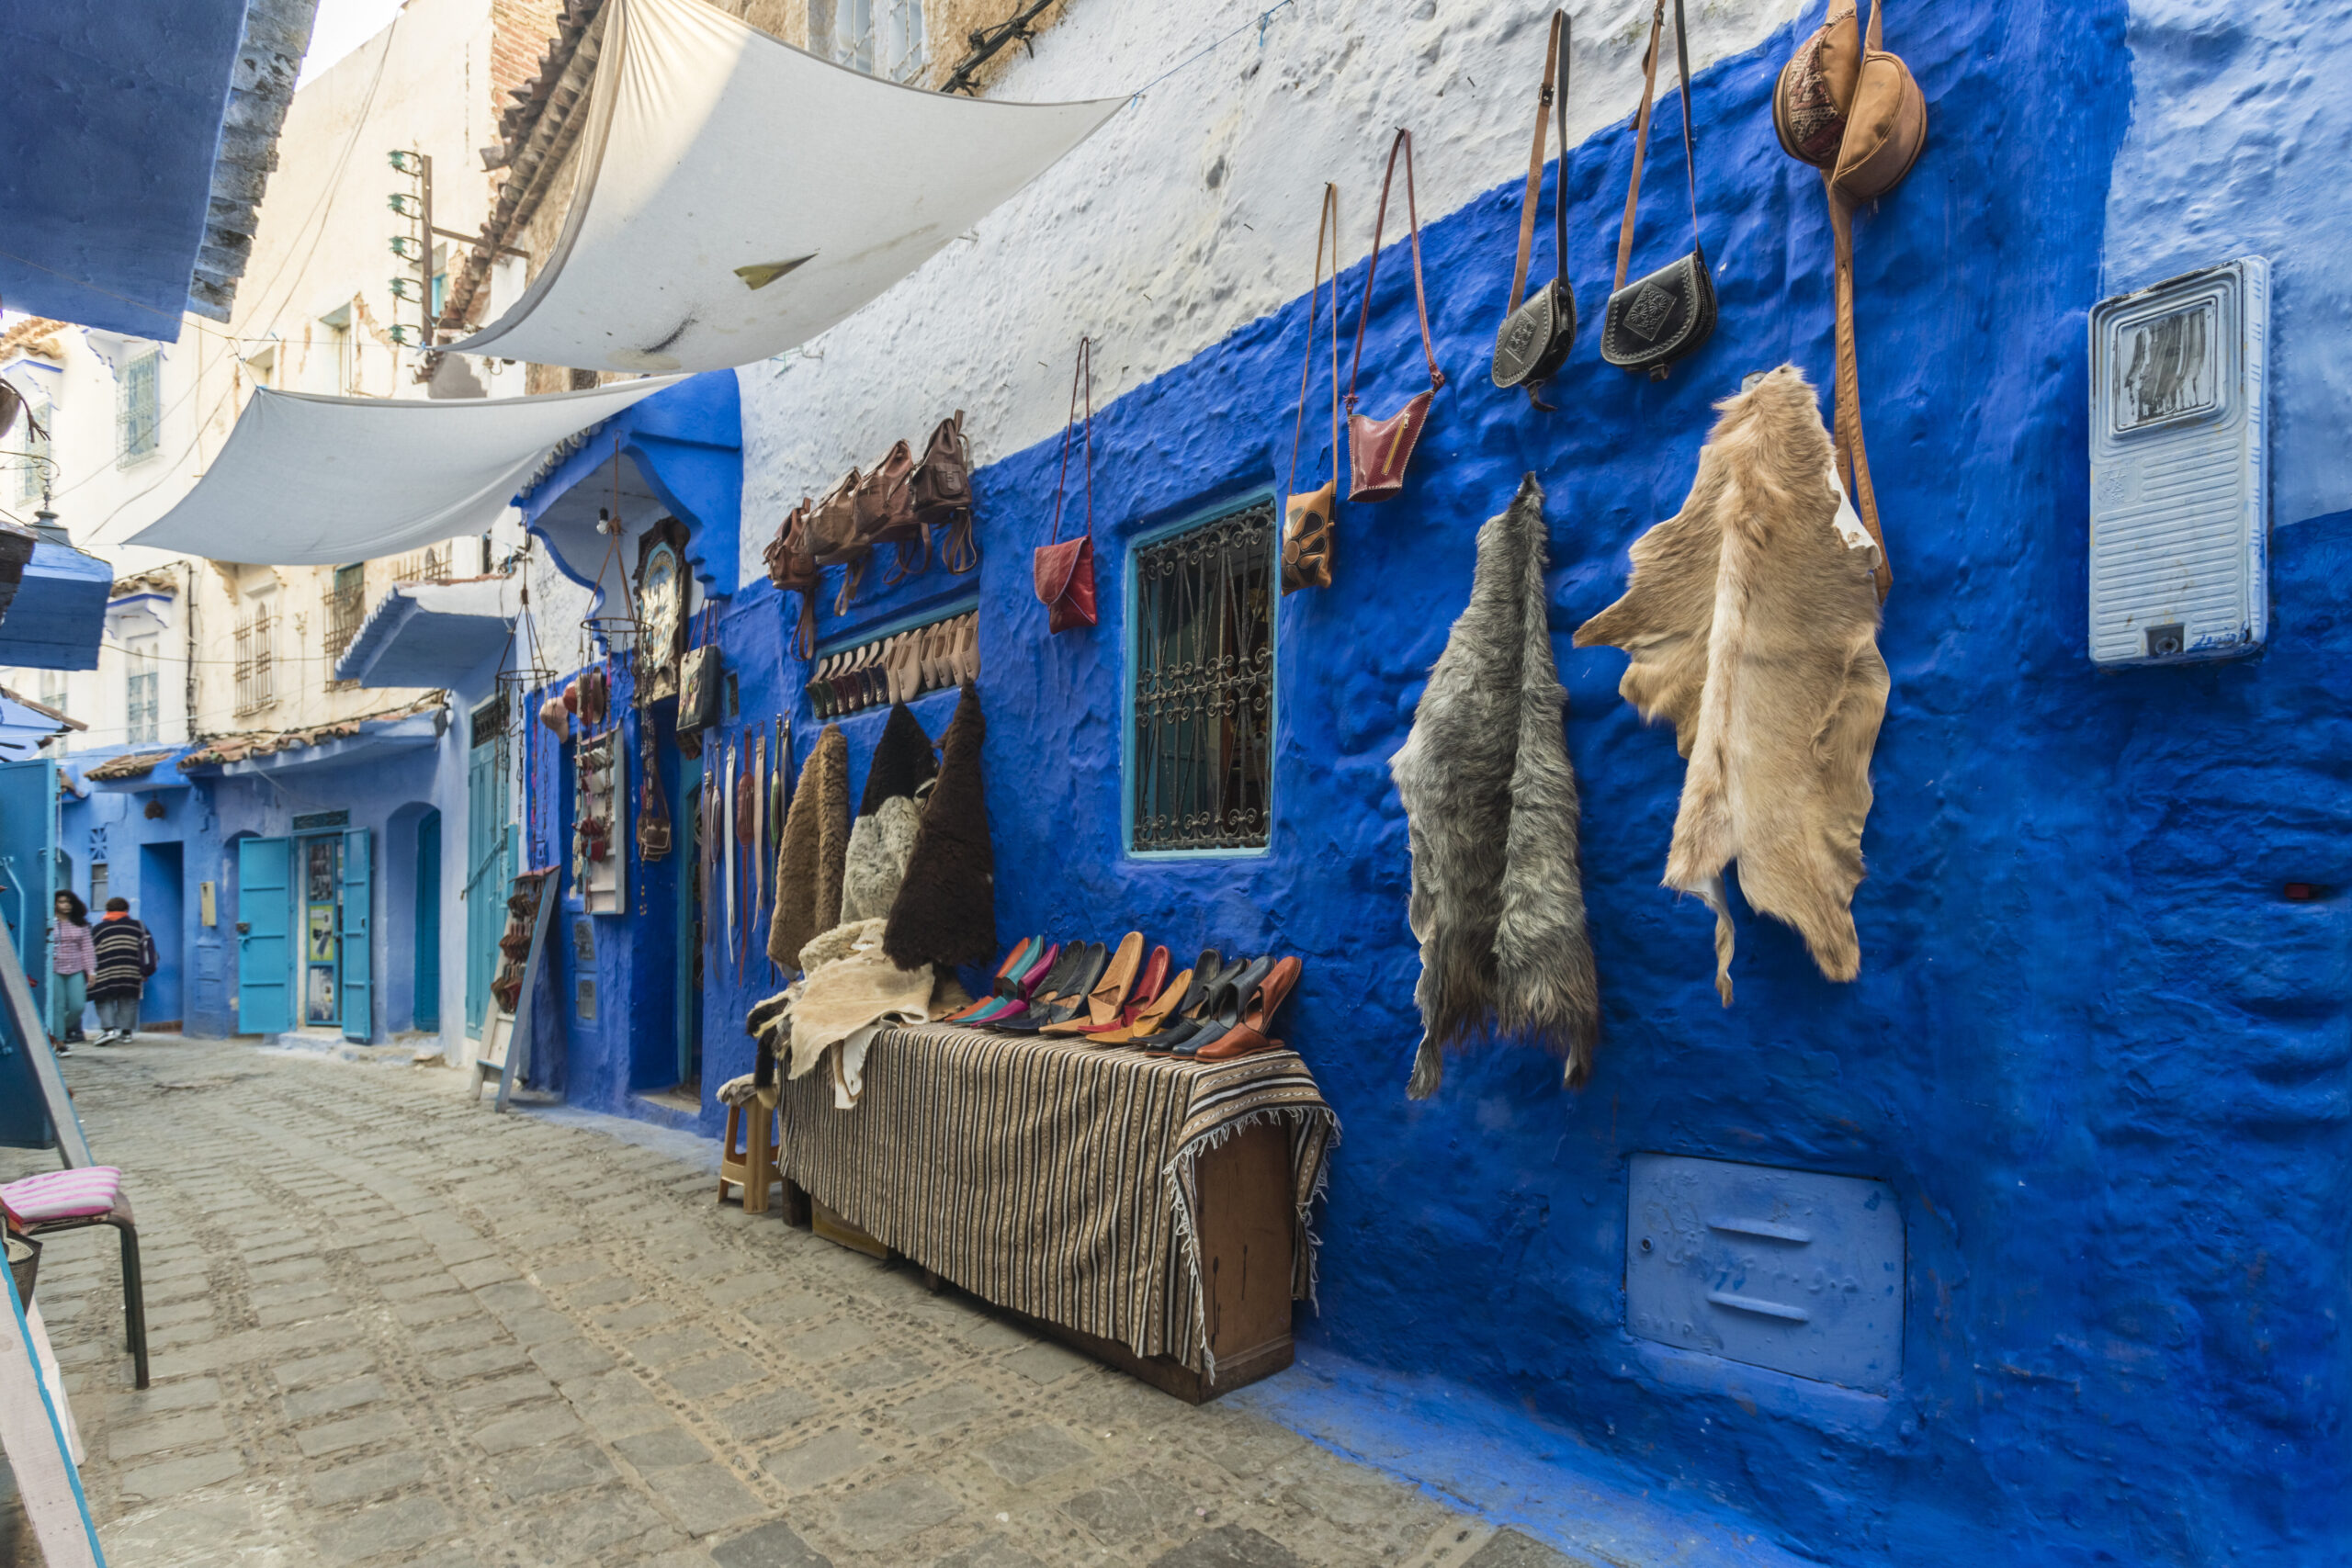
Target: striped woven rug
(1052,1178)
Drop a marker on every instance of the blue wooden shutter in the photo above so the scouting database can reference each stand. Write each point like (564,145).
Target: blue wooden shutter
(265,917)
(27,888)
(359,960)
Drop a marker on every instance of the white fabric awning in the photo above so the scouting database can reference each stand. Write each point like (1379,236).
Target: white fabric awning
(311,480)
(736,195)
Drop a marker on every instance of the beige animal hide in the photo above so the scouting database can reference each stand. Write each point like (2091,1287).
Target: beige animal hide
(1752,621)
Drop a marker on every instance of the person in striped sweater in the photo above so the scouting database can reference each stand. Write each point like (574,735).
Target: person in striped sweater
(75,961)
(126,958)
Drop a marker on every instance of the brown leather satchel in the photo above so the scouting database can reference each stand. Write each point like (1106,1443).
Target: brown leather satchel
(793,569)
(1379,449)
(885,508)
(1855,112)
(1064,569)
(833,537)
(1308,523)
(942,486)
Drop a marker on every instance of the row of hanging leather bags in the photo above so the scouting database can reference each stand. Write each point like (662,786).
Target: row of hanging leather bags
(902,504)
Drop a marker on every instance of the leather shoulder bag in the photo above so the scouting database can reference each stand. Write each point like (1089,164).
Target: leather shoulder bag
(1537,334)
(886,513)
(793,569)
(698,677)
(1308,522)
(1064,568)
(833,537)
(1671,313)
(1854,111)
(943,488)
(1379,449)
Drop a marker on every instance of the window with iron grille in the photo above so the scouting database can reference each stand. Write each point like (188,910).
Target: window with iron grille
(34,462)
(1203,703)
(345,601)
(142,683)
(139,407)
(880,37)
(256,673)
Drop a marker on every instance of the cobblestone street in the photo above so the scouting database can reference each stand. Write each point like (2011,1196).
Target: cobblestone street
(391,1328)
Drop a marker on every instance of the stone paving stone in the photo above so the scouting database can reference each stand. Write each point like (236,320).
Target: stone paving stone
(173,1477)
(766,1414)
(166,1432)
(334,1367)
(877,1374)
(1232,1546)
(894,1510)
(458,1334)
(536,1471)
(989,1552)
(368,1478)
(131,1403)
(351,1432)
(459,1365)
(1509,1549)
(585,1529)
(327,1400)
(1030,1455)
(537,1326)
(525,1429)
(1046,1362)
(1132,1509)
(501,1391)
(436,1309)
(386,1529)
(828,1341)
(783,1310)
(704,1379)
(661,1449)
(772,1545)
(704,1497)
(955,1405)
(564,1360)
(662,1350)
(482,1271)
(805,1466)
(440,1282)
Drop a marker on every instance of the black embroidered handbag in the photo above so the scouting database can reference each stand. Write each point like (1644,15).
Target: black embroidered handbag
(1537,334)
(1669,315)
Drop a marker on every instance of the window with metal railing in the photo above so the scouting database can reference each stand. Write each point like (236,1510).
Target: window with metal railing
(428,565)
(256,671)
(139,407)
(1201,766)
(346,605)
(881,38)
(141,687)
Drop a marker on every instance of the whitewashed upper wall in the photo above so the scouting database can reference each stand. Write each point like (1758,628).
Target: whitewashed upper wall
(1191,213)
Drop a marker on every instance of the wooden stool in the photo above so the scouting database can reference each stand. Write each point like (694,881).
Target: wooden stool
(755,1167)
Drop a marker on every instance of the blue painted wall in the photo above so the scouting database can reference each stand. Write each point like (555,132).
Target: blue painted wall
(2095,1050)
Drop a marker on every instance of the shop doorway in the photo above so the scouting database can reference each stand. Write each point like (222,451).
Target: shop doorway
(426,1009)
(304,925)
(162,908)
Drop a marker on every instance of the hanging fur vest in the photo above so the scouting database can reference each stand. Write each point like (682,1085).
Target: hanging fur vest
(1490,808)
(1752,618)
(809,862)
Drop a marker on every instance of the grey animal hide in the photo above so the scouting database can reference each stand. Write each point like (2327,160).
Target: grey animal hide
(1752,617)
(879,845)
(1490,807)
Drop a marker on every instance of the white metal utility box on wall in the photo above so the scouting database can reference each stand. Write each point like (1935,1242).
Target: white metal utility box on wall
(2179,473)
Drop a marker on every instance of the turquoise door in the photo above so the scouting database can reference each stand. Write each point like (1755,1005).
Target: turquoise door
(426,1009)
(265,918)
(27,888)
(359,960)
(490,872)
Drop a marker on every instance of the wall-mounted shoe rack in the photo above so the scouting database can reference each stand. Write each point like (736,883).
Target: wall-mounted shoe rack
(896,663)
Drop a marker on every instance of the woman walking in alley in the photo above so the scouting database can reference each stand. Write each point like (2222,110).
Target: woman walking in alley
(126,957)
(77,959)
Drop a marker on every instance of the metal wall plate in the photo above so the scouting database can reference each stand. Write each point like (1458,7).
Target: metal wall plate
(2179,472)
(1783,1268)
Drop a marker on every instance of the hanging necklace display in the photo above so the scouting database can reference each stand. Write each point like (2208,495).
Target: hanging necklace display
(599,863)
(653,811)
(1535,337)
(1379,449)
(1855,112)
(1308,525)
(1670,314)
(1063,570)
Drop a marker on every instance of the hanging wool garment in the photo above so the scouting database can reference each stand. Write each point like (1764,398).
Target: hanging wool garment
(946,911)
(816,845)
(1490,807)
(903,760)
(879,847)
(1752,616)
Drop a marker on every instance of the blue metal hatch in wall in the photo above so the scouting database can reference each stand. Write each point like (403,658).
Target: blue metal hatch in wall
(1789,1270)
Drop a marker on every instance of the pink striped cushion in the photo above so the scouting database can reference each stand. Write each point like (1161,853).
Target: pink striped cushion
(63,1195)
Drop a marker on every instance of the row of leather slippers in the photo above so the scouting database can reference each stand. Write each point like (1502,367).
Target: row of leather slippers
(1218,1009)
(895,669)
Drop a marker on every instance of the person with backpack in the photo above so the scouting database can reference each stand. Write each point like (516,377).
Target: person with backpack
(74,962)
(126,955)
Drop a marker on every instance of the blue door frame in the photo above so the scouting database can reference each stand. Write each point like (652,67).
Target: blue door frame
(426,1009)
(355,908)
(28,869)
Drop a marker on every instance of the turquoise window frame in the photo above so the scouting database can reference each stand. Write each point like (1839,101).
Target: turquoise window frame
(1133,590)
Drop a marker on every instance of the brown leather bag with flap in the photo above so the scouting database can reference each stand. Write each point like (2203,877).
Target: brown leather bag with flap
(1379,449)
(833,537)
(884,509)
(943,487)
(1308,522)
(1063,570)
(1855,112)
(793,569)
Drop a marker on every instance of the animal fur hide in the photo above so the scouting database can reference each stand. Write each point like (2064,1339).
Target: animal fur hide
(1752,619)
(1490,807)
(879,847)
(946,911)
(809,862)
(903,761)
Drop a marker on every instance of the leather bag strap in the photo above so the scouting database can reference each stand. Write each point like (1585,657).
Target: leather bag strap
(1404,144)
(1853,461)
(1642,136)
(1328,224)
(1082,374)
(1556,62)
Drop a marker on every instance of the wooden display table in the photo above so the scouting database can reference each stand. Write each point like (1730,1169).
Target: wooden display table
(1149,1210)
